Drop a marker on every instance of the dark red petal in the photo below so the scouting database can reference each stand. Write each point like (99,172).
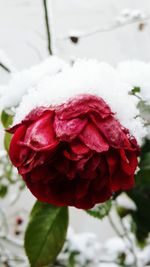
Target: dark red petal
(82,187)
(67,130)
(113,161)
(103,176)
(78,147)
(81,105)
(36,113)
(38,159)
(113,132)
(72,156)
(43,173)
(129,161)
(80,165)
(94,162)
(40,135)
(71,174)
(92,138)
(89,171)
(62,165)
(122,181)
(84,203)
(103,195)
(15,148)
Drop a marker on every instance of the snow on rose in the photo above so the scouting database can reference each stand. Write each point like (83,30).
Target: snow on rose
(75,151)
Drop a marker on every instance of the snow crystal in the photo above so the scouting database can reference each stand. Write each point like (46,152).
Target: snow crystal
(22,82)
(84,77)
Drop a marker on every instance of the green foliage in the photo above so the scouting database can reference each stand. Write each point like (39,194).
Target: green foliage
(141,196)
(7,139)
(3,190)
(45,234)
(6,118)
(136,90)
(100,210)
(72,258)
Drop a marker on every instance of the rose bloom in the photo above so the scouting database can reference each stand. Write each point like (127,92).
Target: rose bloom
(75,154)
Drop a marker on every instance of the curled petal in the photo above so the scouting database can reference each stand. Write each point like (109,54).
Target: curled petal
(129,161)
(113,132)
(16,157)
(79,147)
(40,135)
(92,138)
(82,105)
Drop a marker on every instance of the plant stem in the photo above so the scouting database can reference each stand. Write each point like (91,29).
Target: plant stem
(47,26)
(126,237)
(4,67)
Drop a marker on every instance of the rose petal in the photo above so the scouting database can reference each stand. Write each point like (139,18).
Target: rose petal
(35,114)
(113,161)
(69,130)
(122,181)
(81,105)
(128,162)
(40,135)
(92,138)
(113,132)
(16,157)
(82,187)
(78,147)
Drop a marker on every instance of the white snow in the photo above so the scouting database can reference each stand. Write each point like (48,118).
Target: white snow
(86,244)
(125,202)
(136,74)
(85,77)
(97,254)
(23,81)
(128,15)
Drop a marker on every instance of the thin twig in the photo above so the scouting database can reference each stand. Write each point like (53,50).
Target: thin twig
(114,226)
(4,67)
(106,29)
(47,26)
(127,237)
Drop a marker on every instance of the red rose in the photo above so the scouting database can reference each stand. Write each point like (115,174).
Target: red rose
(75,154)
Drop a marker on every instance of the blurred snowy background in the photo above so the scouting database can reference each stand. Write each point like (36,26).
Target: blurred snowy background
(110,30)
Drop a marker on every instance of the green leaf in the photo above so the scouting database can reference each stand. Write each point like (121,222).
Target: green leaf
(45,234)
(3,190)
(100,210)
(72,258)
(6,118)
(141,196)
(7,139)
(136,89)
